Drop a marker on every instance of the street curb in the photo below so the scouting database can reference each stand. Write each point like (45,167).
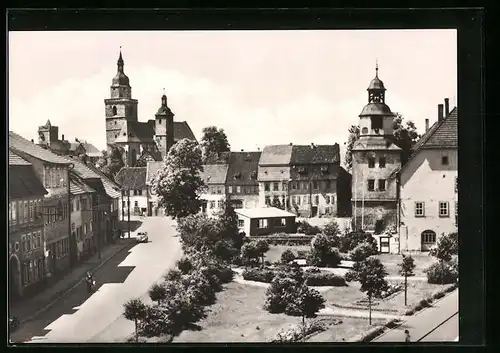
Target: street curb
(66,292)
(417,313)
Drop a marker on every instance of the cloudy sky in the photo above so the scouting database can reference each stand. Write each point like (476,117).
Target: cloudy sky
(261,87)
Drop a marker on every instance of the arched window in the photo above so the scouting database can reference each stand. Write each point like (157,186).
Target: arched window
(114,110)
(428,237)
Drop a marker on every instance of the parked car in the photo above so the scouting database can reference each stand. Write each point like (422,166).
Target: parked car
(142,237)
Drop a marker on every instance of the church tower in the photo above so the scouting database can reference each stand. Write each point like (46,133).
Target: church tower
(120,108)
(375,158)
(164,127)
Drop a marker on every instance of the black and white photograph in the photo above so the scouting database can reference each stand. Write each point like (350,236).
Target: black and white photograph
(233,186)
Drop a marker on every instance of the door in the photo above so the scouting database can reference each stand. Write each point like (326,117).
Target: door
(384,245)
(314,211)
(14,278)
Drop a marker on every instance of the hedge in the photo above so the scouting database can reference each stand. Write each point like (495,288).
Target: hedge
(312,279)
(377,331)
(426,302)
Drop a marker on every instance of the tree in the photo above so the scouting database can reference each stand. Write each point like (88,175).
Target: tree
(262,246)
(135,310)
(406,268)
(213,142)
(361,251)
(249,253)
(307,303)
(352,239)
(228,223)
(114,162)
(405,136)
(371,274)
(444,249)
(282,291)
(157,292)
(178,183)
(331,229)
(323,252)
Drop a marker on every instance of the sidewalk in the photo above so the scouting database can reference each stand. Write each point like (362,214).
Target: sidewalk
(423,322)
(28,309)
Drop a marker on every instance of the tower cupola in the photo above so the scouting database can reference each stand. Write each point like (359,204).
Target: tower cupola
(120,78)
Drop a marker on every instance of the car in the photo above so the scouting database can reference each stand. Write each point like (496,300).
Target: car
(142,237)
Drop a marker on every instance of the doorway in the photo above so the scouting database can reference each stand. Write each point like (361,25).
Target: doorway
(14,278)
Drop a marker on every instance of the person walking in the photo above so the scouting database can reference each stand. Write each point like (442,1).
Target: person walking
(407,336)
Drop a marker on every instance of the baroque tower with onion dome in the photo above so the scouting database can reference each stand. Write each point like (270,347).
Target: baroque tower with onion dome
(374,158)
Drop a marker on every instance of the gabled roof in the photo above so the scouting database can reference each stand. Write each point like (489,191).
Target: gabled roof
(317,154)
(243,168)
(24,182)
(14,159)
(132,178)
(20,144)
(136,131)
(111,187)
(443,134)
(77,186)
(182,131)
(214,173)
(91,150)
(276,155)
(151,169)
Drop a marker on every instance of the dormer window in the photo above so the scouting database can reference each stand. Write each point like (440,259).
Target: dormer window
(254,175)
(237,176)
(324,168)
(302,170)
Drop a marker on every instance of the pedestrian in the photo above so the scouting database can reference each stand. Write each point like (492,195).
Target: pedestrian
(407,336)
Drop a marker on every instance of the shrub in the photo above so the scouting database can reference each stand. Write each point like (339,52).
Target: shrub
(157,292)
(198,287)
(331,229)
(303,254)
(259,275)
(281,292)
(307,229)
(441,273)
(323,253)
(287,256)
(184,265)
(350,240)
(299,332)
(173,275)
(324,279)
(362,251)
(313,270)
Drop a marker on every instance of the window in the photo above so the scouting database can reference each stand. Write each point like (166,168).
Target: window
(376,122)
(456,212)
(47,177)
(381,162)
(124,204)
(298,200)
(276,199)
(327,199)
(305,186)
(428,237)
(212,204)
(77,201)
(371,162)
(10,212)
(29,243)
(90,226)
(294,200)
(266,187)
(24,244)
(328,184)
(315,185)
(443,209)
(53,178)
(85,228)
(219,204)
(371,184)
(31,210)
(39,239)
(219,190)
(306,200)
(316,200)
(14,211)
(456,184)
(381,185)
(276,186)
(58,177)
(16,246)
(115,111)
(238,189)
(332,201)
(26,211)
(135,192)
(284,186)
(241,223)
(268,200)
(124,193)
(262,223)
(419,209)
(444,160)
(136,204)
(293,185)
(230,189)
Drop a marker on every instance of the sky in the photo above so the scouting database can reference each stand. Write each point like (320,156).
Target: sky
(261,87)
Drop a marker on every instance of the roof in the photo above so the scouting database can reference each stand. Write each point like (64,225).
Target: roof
(317,154)
(214,173)
(24,182)
(77,186)
(132,178)
(376,84)
(243,168)
(91,150)
(20,144)
(151,169)
(182,131)
(376,109)
(276,155)
(442,134)
(373,143)
(264,212)
(136,131)
(14,159)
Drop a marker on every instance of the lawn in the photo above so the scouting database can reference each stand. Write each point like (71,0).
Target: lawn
(422,262)
(275,251)
(350,295)
(238,316)
(349,328)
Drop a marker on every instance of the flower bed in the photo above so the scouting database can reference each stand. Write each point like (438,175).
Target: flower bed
(298,333)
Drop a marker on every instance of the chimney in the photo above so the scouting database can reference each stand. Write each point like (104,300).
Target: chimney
(312,145)
(440,112)
(426,125)
(291,144)
(446,107)
(32,141)
(242,150)
(62,137)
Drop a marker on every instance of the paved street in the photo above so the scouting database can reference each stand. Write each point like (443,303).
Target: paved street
(437,323)
(98,317)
